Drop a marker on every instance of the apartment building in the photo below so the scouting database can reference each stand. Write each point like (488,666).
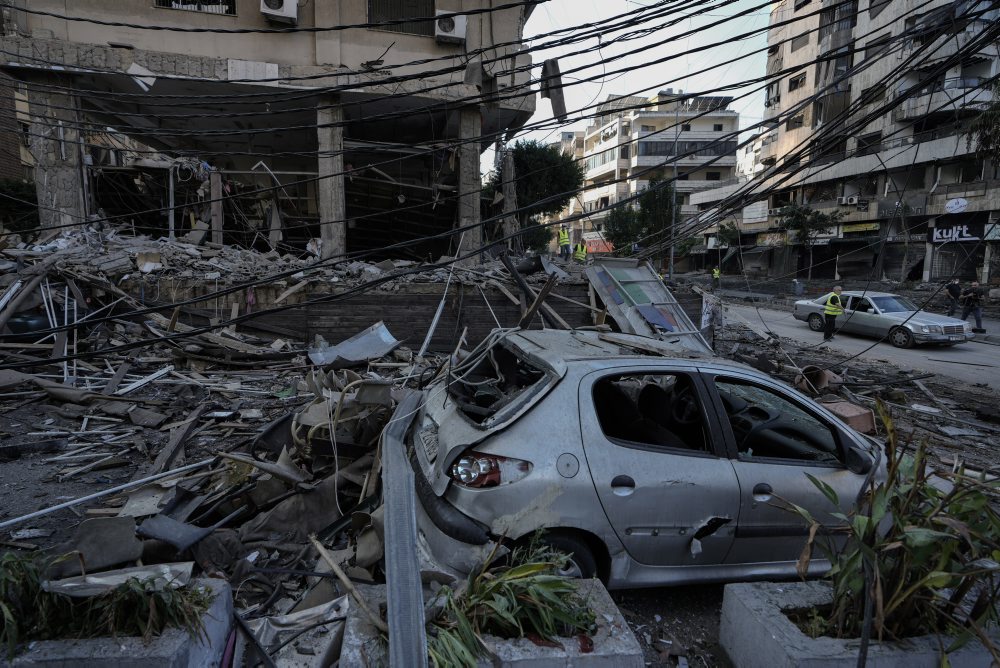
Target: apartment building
(389,91)
(635,139)
(867,113)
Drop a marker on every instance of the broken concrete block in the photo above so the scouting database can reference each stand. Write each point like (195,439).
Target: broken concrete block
(99,543)
(858,418)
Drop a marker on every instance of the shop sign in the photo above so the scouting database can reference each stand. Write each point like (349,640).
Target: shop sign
(964,232)
(771,239)
(913,205)
(860,227)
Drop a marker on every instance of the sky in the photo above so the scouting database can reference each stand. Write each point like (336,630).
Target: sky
(639,77)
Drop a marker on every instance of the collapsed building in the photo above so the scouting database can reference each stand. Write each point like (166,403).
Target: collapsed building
(360,124)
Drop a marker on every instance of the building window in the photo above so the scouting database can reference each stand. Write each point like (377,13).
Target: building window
(686,127)
(602,158)
(877,45)
(870,143)
(713,176)
(625,152)
(648,128)
(799,4)
(796,82)
(795,122)
(25,134)
(380,11)
(875,7)
(717,127)
(227,7)
(799,42)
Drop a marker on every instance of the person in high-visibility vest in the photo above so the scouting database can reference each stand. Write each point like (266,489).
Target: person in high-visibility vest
(834,306)
(717,277)
(580,252)
(564,242)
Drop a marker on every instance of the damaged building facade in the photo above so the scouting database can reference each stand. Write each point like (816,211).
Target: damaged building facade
(349,122)
(868,113)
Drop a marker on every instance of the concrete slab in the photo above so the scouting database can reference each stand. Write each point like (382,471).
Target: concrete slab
(755,633)
(174,649)
(614,643)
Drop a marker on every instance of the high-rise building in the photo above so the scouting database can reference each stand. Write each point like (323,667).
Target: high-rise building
(867,113)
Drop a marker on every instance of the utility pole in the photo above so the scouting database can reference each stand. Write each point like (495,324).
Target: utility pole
(673,188)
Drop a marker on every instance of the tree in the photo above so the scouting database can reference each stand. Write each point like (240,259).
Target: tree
(656,213)
(546,179)
(650,223)
(807,224)
(622,228)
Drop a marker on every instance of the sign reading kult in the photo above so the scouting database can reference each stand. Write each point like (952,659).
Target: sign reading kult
(957,233)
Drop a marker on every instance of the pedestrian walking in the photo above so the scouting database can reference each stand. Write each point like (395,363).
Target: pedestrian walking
(580,253)
(954,290)
(717,277)
(564,243)
(834,307)
(972,302)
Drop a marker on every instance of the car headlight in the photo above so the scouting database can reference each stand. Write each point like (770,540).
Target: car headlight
(968,327)
(931,329)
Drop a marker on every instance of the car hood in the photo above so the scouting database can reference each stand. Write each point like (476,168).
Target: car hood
(922,318)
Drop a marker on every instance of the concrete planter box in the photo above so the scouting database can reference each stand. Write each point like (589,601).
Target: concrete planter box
(175,648)
(755,633)
(615,646)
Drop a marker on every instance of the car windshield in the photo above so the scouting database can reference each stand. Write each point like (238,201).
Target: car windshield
(894,304)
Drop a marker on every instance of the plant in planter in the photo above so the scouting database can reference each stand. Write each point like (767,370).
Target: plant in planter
(920,557)
(524,598)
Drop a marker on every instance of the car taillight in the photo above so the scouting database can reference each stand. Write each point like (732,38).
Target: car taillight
(474,469)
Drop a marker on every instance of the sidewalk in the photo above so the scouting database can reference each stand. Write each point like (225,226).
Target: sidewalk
(991,325)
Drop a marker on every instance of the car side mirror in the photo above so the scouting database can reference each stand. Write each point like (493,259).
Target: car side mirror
(857,461)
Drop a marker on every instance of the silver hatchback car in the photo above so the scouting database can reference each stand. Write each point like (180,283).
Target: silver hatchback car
(648,470)
(886,316)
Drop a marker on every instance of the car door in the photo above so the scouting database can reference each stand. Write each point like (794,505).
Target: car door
(778,438)
(866,317)
(670,494)
(847,322)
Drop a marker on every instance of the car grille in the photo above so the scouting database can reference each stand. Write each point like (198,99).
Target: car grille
(954,329)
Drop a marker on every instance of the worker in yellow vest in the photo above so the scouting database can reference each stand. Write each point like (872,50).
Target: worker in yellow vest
(564,242)
(580,253)
(717,277)
(834,307)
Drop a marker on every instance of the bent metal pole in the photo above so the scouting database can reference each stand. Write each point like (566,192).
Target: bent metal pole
(113,490)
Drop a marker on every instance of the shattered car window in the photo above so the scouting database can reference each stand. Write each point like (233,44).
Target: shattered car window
(766,424)
(491,379)
(662,410)
(894,304)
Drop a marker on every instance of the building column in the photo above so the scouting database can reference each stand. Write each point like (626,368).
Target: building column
(928,261)
(330,183)
(55,144)
(470,183)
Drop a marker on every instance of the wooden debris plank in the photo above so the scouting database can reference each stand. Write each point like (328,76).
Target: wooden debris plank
(178,436)
(116,379)
(131,387)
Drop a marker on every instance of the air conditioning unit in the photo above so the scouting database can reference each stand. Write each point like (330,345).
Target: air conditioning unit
(852,200)
(450,27)
(842,201)
(280,11)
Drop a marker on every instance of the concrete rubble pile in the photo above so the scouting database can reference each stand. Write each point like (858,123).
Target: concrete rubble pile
(200,454)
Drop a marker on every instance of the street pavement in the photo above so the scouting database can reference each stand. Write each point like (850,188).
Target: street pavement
(971,363)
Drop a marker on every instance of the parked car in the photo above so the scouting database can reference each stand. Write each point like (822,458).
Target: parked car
(886,316)
(647,470)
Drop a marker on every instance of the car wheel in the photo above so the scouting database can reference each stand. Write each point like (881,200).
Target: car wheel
(815,322)
(900,337)
(581,563)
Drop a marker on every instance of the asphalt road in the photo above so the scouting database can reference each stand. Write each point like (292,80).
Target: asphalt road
(967,362)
